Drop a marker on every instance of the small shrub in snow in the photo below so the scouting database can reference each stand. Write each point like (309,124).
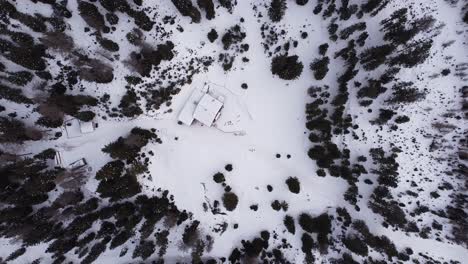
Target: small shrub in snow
(212,35)
(293,184)
(289,224)
(219,177)
(230,201)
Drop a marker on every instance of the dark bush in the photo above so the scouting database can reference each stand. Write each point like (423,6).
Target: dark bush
(230,201)
(293,184)
(286,67)
(186,8)
(219,177)
(277,9)
(320,67)
(356,245)
(289,224)
(208,6)
(320,224)
(212,35)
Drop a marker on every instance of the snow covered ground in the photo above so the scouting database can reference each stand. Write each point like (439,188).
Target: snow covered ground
(274,141)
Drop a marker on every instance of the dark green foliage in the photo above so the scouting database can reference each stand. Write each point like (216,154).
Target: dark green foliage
(233,36)
(289,224)
(129,147)
(323,49)
(14,255)
(14,95)
(191,234)
(85,116)
(46,154)
(399,31)
(387,167)
(28,56)
(228,4)
(374,6)
(293,184)
(208,6)
(186,8)
(402,119)
(219,177)
(382,202)
(68,104)
(308,244)
(144,60)
(115,183)
(372,58)
(15,131)
(230,201)
(135,36)
(108,44)
(112,18)
(129,104)
(384,116)
(356,245)
(320,224)
(277,205)
(111,170)
(47,122)
(254,248)
(276,10)
(348,31)
(212,35)
(91,15)
(324,154)
(20,78)
(405,92)
(144,250)
(94,253)
(320,67)
(286,67)
(416,53)
(372,90)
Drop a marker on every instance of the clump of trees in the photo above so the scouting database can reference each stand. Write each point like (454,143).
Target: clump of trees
(277,9)
(230,201)
(186,8)
(208,6)
(286,67)
(15,131)
(320,225)
(128,148)
(320,67)
(293,184)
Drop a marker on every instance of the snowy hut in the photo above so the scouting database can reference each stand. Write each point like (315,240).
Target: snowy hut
(201,106)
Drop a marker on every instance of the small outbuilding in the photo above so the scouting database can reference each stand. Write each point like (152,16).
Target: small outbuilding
(76,128)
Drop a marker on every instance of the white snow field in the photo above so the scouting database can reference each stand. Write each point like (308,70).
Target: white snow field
(262,133)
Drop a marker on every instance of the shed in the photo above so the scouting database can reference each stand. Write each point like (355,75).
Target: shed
(86,127)
(208,109)
(76,128)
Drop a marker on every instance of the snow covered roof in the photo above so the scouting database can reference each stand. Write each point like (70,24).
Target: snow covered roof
(207,109)
(72,127)
(186,114)
(86,127)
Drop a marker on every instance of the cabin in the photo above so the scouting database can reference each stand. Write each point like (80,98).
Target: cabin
(76,128)
(203,107)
